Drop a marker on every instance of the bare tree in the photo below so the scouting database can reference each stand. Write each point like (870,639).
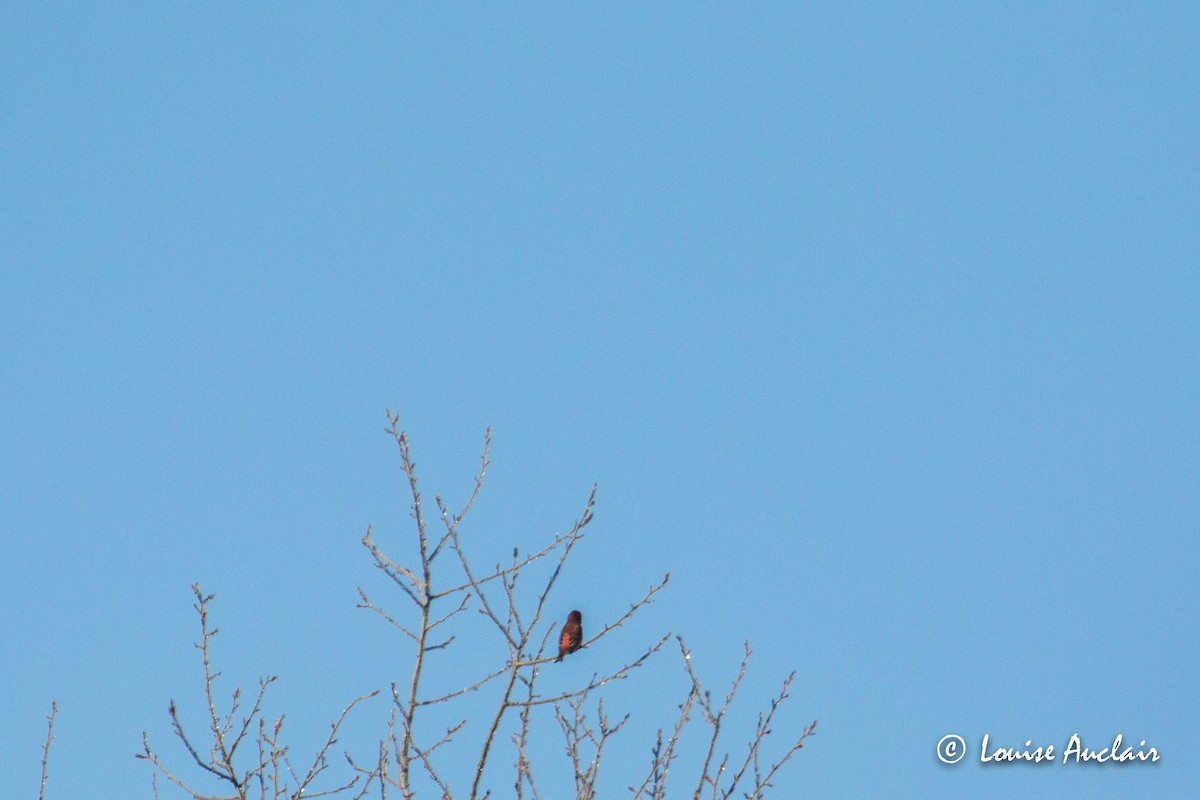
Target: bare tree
(436,600)
(435,740)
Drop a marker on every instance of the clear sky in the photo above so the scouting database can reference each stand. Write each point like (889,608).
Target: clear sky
(877,325)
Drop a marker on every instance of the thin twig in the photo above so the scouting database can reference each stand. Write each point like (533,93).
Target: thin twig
(46,747)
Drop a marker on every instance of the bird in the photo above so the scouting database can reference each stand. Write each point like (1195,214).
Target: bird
(572,635)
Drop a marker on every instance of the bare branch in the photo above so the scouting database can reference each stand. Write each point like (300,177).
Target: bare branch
(424,755)
(461,607)
(517,639)
(647,599)
(271,769)
(46,747)
(149,755)
(762,782)
(713,718)
(473,687)
(595,682)
(367,604)
(577,732)
(182,736)
(521,740)
(263,683)
(318,764)
(502,573)
(451,521)
(664,754)
(401,576)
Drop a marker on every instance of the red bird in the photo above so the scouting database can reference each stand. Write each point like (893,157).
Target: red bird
(572,635)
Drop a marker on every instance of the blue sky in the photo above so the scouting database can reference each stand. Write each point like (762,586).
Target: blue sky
(875,324)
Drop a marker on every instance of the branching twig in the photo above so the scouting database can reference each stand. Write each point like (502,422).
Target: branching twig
(271,769)
(576,731)
(664,753)
(595,682)
(714,716)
